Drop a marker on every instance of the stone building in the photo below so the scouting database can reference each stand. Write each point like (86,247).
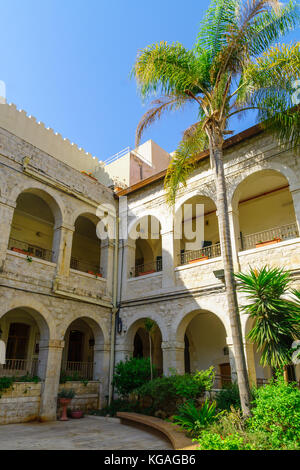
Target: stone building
(61,286)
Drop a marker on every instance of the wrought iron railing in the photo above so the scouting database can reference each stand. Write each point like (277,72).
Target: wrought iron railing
(78,370)
(148,268)
(19,367)
(86,267)
(208,252)
(274,235)
(30,250)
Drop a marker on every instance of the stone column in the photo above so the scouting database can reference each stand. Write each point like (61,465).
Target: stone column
(62,247)
(101,370)
(127,259)
(50,366)
(296,200)
(234,234)
(167,242)
(250,361)
(107,262)
(173,356)
(6,217)
(231,359)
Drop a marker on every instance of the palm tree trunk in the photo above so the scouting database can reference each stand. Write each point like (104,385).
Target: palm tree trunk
(216,156)
(150,345)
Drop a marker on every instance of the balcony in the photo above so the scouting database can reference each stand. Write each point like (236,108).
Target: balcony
(31,251)
(148,268)
(19,367)
(78,370)
(268,237)
(86,267)
(208,252)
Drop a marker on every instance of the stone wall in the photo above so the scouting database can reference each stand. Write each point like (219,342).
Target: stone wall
(20,403)
(87,395)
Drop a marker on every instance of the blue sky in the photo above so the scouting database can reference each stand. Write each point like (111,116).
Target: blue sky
(67,62)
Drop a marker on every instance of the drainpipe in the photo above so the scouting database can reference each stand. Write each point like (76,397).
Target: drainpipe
(114,309)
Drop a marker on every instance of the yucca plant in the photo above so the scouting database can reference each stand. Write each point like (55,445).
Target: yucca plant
(193,419)
(276,318)
(234,67)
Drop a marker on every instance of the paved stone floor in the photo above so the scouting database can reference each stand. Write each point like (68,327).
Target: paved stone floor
(89,433)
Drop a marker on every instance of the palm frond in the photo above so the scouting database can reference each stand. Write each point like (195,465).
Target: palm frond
(161,105)
(169,68)
(183,162)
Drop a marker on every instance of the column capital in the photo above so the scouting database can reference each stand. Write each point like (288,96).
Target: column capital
(52,344)
(172,345)
(67,227)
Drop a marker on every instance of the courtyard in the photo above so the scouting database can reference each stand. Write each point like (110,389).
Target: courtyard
(89,433)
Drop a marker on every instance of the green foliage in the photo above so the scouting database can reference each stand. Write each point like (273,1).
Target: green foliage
(132,374)
(66,393)
(277,412)
(232,68)
(193,419)
(228,397)
(276,319)
(72,378)
(274,424)
(5,383)
(166,393)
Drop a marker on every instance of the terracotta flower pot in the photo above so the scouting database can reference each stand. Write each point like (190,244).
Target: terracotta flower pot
(269,242)
(198,259)
(77,414)
(64,403)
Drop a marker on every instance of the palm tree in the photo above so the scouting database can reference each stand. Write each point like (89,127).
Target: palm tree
(150,327)
(231,69)
(276,318)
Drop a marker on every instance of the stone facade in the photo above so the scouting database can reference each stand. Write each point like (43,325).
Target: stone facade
(69,307)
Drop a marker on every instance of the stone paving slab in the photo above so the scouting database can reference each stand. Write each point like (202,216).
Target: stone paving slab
(89,433)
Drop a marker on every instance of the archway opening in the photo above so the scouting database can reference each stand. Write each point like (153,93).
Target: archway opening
(140,343)
(78,360)
(33,224)
(148,247)
(22,331)
(266,210)
(204,337)
(86,246)
(196,231)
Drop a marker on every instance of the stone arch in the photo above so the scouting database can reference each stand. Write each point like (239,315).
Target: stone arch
(284,170)
(50,197)
(43,317)
(85,240)
(99,328)
(156,341)
(201,223)
(253,202)
(208,342)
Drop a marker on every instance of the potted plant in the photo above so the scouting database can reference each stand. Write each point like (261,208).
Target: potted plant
(65,396)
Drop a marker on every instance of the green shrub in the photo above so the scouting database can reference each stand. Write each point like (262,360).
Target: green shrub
(227,397)
(66,393)
(276,411)
(193,419)
(213,441)
(132,374)
(167,393)
(5,383)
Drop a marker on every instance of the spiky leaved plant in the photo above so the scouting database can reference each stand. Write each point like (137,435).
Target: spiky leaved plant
(276,318)
(232,68)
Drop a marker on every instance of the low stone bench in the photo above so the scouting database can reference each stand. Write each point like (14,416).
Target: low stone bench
(177,438)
